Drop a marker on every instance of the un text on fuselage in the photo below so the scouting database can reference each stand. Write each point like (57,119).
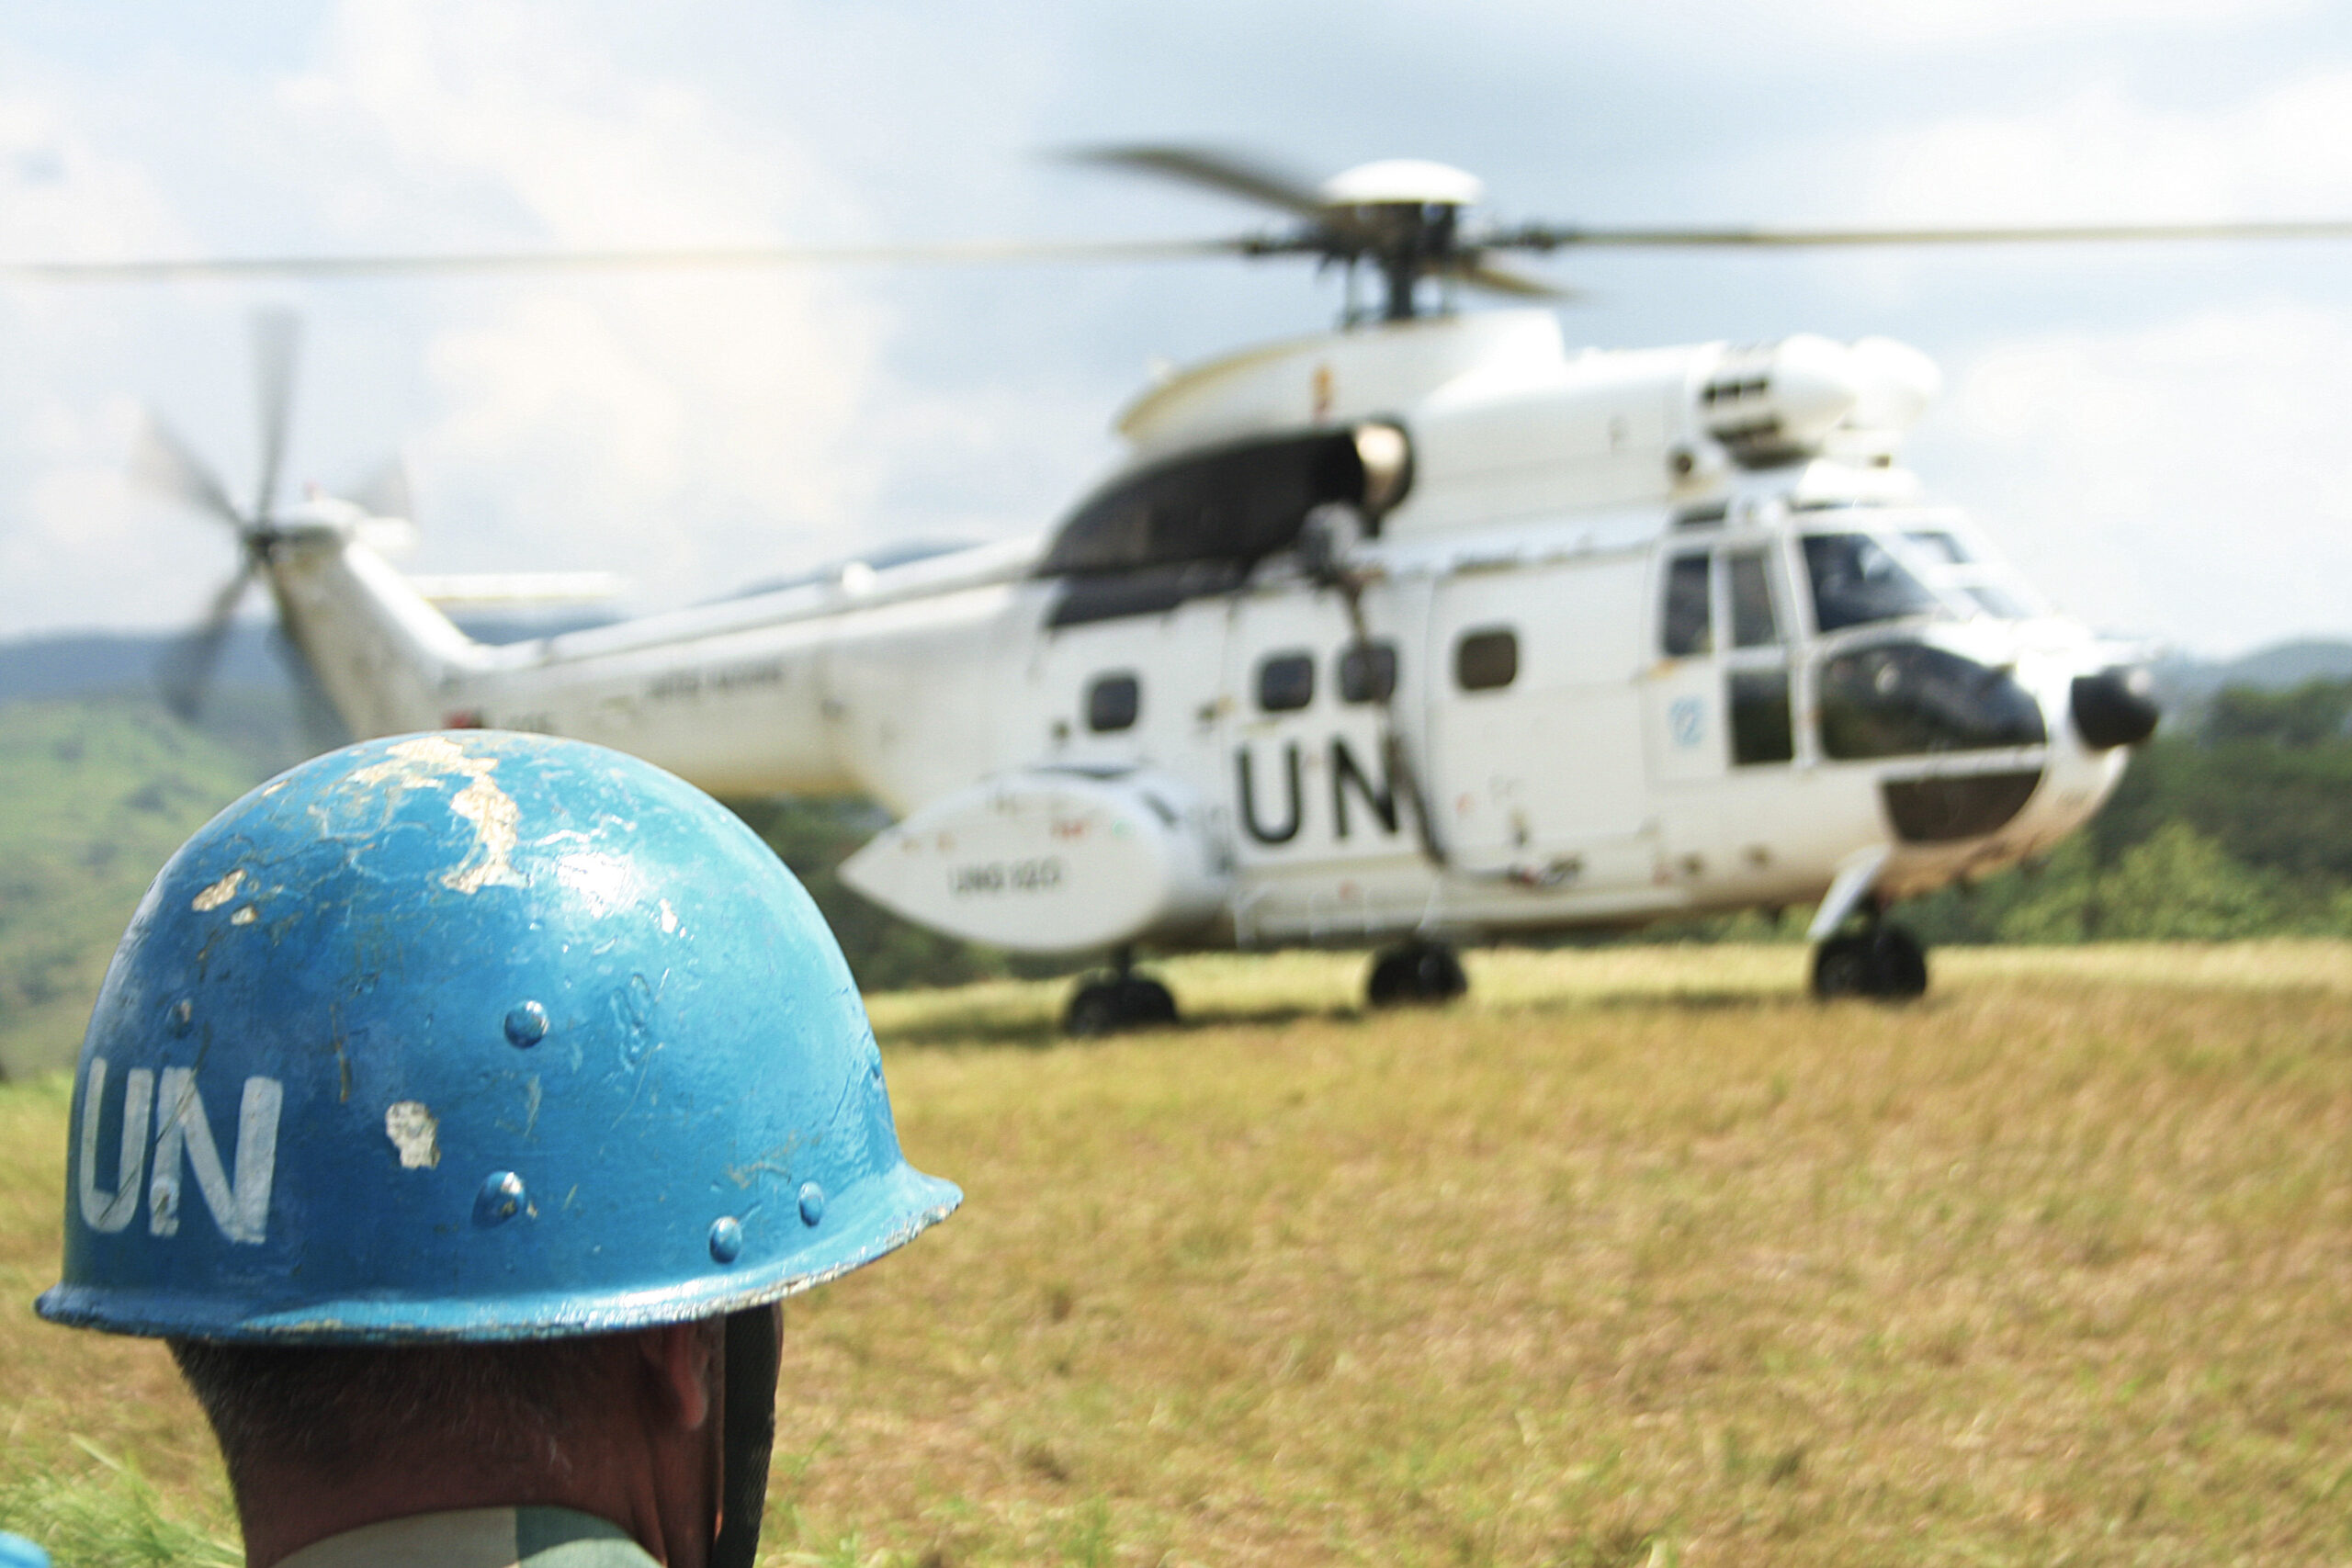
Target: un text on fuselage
(1278,821)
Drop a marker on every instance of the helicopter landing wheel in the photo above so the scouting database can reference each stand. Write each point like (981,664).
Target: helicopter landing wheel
(1114,1004)
(1414,973)
(1885,963)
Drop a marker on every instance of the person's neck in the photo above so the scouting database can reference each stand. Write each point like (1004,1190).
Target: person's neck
(643,1449)
(286,1508)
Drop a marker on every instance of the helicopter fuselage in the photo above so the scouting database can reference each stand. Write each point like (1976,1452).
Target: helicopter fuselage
(1425,627)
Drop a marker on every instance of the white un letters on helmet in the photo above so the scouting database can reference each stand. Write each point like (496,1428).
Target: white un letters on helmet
(182,1140)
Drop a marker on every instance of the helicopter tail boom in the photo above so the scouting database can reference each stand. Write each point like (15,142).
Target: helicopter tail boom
(385,657)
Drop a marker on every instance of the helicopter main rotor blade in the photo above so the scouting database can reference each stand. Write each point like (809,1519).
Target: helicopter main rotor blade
(711,258)
(161,461)
(1234,174)
(278,336)
(1545,237)
(1496,279)
(991,252)
(187,668)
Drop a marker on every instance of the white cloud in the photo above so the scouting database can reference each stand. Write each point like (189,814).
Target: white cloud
(1882,32)
(68,521)
(1926,23)
(699,431)
(2099,153)
(2185,481)
(679,429)
(62,194)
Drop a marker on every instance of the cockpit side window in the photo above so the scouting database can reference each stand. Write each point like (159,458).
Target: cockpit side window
(1752,623)
(1857,580)
(1687,628)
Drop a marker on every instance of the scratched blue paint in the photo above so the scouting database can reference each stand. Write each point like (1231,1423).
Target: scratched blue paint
(376,934)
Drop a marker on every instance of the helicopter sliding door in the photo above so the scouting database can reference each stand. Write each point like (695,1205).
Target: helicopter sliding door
(1536,731)
(1129,691)
(1720,710)
(1323,833)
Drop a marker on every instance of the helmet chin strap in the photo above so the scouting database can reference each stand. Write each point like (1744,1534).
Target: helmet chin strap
(754,1347)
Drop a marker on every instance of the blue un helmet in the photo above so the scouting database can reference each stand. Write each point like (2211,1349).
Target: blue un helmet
(480,1037)
(472,1037)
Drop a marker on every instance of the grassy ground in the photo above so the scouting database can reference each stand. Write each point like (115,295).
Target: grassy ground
(1638,1258)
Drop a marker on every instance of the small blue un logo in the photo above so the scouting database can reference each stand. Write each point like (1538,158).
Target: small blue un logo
(1684,720)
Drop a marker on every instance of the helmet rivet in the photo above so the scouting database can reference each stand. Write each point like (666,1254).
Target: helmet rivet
(812,1202)
(500,1199)
(179,1016)
(526,1024)
(726,1238)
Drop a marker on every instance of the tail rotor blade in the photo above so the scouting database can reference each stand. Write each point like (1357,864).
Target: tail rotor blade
(189,667)
(163,462)
(277,338)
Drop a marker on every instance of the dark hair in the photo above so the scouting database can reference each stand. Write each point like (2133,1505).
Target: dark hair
(331,1409)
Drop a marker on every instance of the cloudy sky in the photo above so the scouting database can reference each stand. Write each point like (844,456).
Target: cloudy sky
(2152,434)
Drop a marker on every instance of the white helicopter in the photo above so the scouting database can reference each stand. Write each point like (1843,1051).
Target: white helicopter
(1419,632)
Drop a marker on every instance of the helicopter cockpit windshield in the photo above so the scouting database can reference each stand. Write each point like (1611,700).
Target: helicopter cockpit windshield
(1917,566)
(1857,580)
(1967,577)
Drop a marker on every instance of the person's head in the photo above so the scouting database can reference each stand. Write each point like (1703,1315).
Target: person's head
(458,1106)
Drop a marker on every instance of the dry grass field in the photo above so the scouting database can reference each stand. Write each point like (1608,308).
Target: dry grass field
(1639,1257)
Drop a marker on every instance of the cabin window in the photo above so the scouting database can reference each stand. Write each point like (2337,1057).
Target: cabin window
(1112,703)
(1287,682)
(1760,730)
(1367,671)
(1753,624)
(1856,580)
(1487,660)
(1689,625)
(1237,503)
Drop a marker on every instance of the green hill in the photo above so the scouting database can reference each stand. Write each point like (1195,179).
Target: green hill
(95,794)
(2235,822)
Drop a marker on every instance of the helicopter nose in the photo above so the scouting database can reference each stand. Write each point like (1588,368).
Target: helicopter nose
(2114,707)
